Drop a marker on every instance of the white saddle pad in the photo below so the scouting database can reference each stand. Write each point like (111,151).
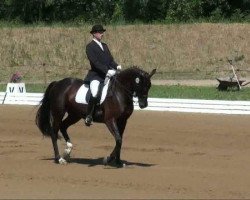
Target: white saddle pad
(81,95)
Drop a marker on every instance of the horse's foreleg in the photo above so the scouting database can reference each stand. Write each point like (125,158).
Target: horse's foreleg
(121,123)
(115,155)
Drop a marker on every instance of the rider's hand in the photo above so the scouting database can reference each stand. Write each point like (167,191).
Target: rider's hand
(111,72)
(119,67)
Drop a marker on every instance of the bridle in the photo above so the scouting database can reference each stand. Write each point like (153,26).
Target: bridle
(128,92)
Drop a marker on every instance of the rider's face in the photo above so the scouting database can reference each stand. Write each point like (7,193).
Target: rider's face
(98,35)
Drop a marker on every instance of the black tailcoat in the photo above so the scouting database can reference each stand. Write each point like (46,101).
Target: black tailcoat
(100,61)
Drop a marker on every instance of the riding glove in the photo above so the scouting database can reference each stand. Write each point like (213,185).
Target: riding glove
(110,73)
(119,67)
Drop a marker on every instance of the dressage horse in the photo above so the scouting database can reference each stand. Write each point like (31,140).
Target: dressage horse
(59,99)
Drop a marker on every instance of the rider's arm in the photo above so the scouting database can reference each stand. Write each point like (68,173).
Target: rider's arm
(112,63)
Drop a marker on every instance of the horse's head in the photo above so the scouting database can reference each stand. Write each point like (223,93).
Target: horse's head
(136,82)
(142,84)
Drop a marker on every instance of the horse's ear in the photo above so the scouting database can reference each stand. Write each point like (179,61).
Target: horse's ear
(152,73)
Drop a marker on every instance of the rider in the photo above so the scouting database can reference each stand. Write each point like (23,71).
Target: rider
(102,65)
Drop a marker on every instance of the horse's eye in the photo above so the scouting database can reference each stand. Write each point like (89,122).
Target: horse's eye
(137,80)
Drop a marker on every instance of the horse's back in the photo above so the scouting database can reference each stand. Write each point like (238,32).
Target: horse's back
(70,81)
(66,88)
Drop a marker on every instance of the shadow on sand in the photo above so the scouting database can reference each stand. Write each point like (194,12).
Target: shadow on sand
(92,162)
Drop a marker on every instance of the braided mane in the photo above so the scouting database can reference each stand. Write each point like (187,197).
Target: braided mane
(135,69)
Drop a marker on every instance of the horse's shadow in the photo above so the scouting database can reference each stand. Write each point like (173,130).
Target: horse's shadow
(92,162)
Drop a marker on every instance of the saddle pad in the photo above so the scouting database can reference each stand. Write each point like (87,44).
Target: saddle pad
(83,94)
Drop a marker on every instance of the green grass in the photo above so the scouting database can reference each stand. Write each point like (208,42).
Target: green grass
(201,92)
(176,91)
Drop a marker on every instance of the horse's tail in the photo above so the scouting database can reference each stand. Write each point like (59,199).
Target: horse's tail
(43,120)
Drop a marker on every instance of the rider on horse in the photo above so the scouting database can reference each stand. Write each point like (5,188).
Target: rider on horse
(102,65)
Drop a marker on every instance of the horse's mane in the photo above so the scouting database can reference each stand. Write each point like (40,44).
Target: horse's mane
(134,70)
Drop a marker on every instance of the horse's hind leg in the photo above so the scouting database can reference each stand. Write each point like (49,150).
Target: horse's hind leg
(54,136)
(70,120)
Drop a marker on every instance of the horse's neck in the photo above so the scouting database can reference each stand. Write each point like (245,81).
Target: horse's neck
(122,88)
(125,82)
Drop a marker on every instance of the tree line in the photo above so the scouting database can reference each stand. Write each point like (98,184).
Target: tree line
(123,11)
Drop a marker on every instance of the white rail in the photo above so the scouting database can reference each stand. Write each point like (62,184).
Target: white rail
(156,104)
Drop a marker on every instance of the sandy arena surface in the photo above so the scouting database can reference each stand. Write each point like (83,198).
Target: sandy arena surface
(169,155)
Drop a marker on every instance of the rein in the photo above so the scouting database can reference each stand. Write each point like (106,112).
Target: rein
(127,91)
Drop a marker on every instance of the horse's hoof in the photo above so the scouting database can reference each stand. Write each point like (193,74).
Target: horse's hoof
(62,161)
(66,156)
(88,121)
(106,160)
(120,164)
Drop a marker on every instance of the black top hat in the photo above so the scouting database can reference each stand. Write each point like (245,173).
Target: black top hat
(97,28)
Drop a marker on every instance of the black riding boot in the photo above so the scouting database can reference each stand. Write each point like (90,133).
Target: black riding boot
(90,110)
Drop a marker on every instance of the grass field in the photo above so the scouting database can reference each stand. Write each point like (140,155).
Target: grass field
(201,92)
(182,51)
(174,91)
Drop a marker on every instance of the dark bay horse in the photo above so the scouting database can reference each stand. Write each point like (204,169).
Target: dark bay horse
(59,98)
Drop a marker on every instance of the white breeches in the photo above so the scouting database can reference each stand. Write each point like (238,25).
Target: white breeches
(94,85)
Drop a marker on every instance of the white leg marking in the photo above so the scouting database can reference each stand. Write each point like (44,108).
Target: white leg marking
(68,150)
(62,161)
(69,145)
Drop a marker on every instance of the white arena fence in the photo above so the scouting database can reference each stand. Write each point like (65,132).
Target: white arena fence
(17,95)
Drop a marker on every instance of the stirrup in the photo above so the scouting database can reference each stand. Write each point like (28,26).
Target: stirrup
(88,120)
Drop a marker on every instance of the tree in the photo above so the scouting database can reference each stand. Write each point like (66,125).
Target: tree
(134,10)
(106,11)
(156,10)
(184,10)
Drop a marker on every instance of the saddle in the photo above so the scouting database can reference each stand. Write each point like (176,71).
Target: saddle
(83,94)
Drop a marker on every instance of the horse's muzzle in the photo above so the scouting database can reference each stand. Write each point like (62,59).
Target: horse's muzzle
(143,102)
